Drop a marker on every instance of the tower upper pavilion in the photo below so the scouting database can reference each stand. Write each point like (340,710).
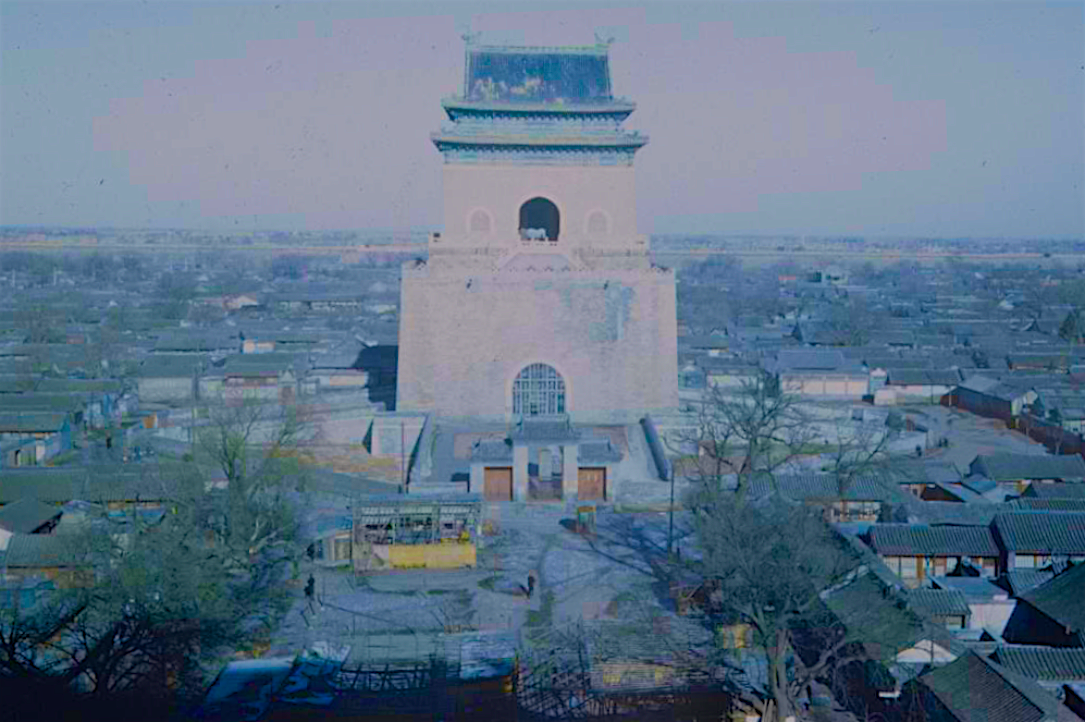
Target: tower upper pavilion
(550,108)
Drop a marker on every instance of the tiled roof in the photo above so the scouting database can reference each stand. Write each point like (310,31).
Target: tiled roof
(559,75)
(938,601)
(1020,581)
(1011,467)
(1049,664)
(923,540)
(26,515)
(170,366)
(1055,491)
(872,615)
(1049,504)
(544,429)
(923,377)
(598,452)
(810,359)
(1051,532)
(1062,598)
(42,550)
(803,487)
(25,422)
(974,688)
(492,450)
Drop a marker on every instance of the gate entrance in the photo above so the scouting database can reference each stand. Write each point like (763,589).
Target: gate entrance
(497,483)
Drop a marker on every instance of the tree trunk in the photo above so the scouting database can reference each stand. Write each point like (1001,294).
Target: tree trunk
(781,707)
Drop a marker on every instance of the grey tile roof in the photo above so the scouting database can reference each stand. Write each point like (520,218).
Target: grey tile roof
(1012,467)
(809,487)
(80,386)
(923,377)
(43,550)
(598,452)
(1048,504)
(923,540)
(492,450)
(26,515)
(938,601)
(1020,581)
(1051,532)
(89,483)
(170,366)
(1049,664)
(1054,491)
(25,422)
(1062,598)
(974,688)
(810,359)
(543,429)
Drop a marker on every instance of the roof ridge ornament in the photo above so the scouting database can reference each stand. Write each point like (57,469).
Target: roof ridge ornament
(600,40)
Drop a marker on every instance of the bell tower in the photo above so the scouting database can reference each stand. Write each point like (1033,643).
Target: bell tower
(538,296)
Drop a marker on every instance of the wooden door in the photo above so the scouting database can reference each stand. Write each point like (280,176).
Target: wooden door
(592,483)
(498,484)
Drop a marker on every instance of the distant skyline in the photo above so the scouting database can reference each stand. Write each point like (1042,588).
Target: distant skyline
(932,119)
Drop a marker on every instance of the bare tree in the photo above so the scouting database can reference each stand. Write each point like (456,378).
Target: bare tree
(767,561)
(755,428)
(857,450)
(161,594)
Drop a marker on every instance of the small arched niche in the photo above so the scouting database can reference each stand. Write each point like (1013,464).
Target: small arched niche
(480,221)
(598,223)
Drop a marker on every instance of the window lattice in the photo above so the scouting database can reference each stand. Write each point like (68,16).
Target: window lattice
(538,390)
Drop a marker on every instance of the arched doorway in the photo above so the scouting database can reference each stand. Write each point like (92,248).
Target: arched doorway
(538,390)
(539,220)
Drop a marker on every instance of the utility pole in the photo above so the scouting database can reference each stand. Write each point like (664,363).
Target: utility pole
(670,523)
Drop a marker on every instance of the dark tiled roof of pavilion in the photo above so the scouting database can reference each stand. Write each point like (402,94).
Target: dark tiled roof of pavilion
(1049,664)
(538,75)
(1052,532)
(923,540)
(974,688)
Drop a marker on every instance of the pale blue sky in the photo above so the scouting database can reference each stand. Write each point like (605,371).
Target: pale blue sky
(880,118)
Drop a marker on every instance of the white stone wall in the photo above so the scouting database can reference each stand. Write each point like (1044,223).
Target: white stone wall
(464,336)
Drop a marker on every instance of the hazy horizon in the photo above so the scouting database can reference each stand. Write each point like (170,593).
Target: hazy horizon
(880,119)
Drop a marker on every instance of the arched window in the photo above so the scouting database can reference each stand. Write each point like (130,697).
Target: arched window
(539,220)
(480,222)
(538,390)
(597,222)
